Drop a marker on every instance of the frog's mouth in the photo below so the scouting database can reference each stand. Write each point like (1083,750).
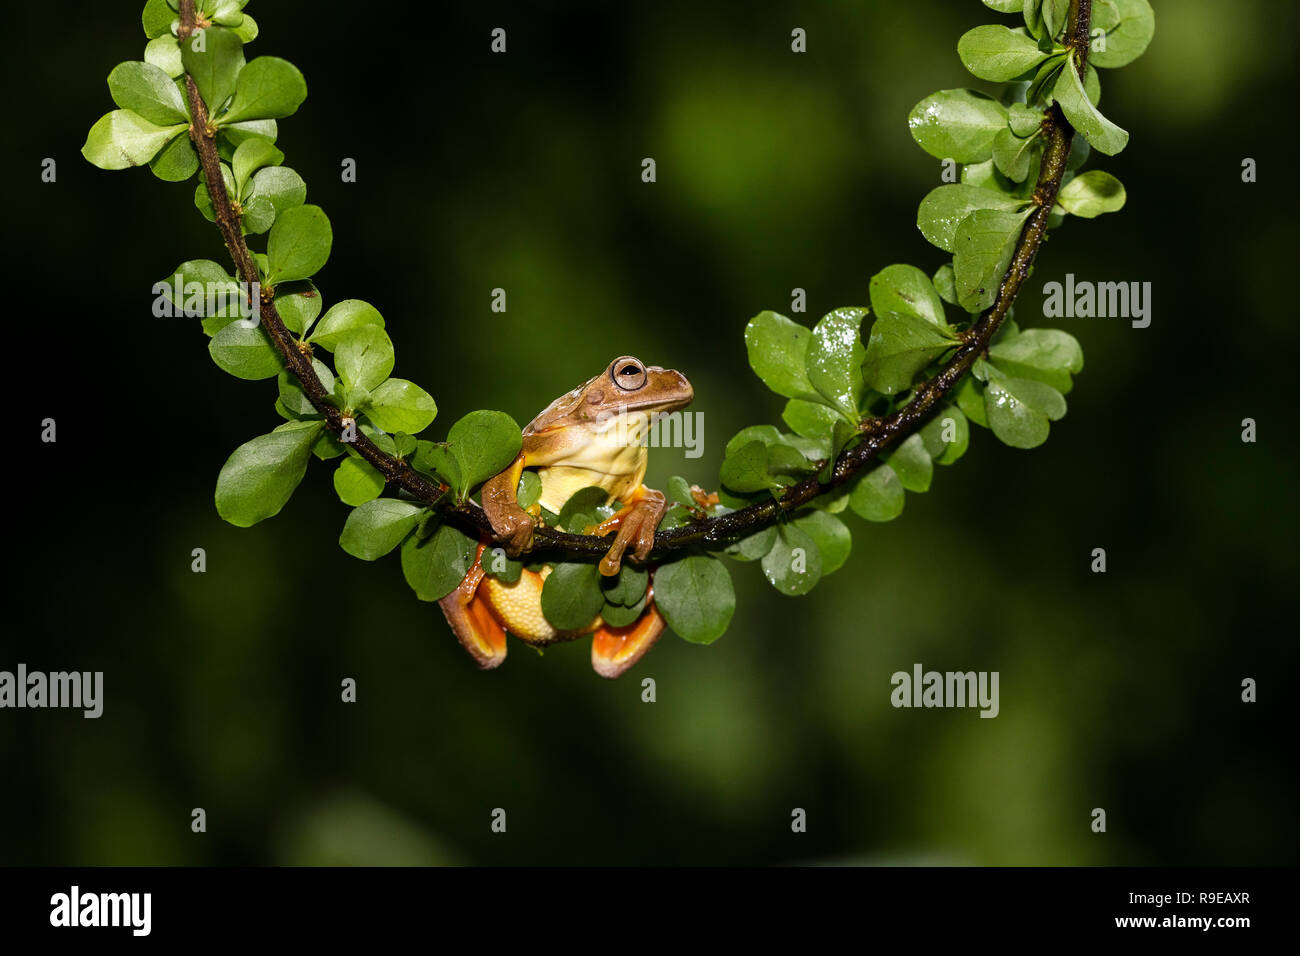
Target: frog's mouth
(653,406)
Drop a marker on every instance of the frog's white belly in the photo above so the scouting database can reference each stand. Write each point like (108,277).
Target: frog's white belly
(561,482)
(614,458)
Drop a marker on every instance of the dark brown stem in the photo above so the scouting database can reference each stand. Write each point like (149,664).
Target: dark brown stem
(298,360)
(877,435)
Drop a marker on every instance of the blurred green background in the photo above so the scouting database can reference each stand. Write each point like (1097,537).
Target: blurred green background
(775,171)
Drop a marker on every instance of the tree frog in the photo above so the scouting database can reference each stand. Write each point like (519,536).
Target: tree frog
(592,435)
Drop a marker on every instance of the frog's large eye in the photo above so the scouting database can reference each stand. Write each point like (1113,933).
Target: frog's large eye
(627,373)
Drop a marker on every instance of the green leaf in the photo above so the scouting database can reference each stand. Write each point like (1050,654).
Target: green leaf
(1012,154)
(260,476)
(834,360)
(267,88)
(1128,39)
(947,435)
(434,565)
(752,547)
(199,281)
(236,133)
(293,398)
(582,504)
(696,597)
(299,244)
(437,459)
(149,92)
(793,565)
(298,304)
(1019,410)
(176,162)
(378,526)
(251,155)
(831,535)
(679,489)
(945,284)
(397,405)
(215,66)
(343,318)
(906,290)
(1005,6)
(406,444)
(327,447)
(997,53)
(203,200)
(1033,13)
(810,419)
(1024,120)
(1040,88)
(745,469)
(1055,13)
(616,615)
(944,208)
(571,596)
(1049,356)
(957,124)
(246,29)
(280,186)
(901,345)
(969,396)
(157,18)
(498,565)
(777,348)
(245,352)
(122,139)
(913,465)
(357,481)
(530,489)
(1092,193)
(225,12)
(878,495)
(165,53)
(483,443)
(985,243)
(364,357)
(627,588)
(1101,133)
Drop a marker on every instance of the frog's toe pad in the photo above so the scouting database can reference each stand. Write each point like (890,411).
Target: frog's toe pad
(615,649)
(478,631)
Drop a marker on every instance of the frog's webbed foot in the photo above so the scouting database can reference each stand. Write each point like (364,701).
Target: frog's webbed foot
(472,621)
(615,649)
(513,527)
(636,524)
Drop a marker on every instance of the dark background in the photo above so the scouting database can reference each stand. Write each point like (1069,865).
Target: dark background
(1119,691)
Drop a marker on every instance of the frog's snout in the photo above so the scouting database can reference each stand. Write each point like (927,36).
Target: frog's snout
(684,385)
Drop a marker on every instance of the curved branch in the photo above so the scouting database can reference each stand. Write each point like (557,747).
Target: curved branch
(878,434)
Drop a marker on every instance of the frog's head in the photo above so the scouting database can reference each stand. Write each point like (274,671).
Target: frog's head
(626,388)
(629,385)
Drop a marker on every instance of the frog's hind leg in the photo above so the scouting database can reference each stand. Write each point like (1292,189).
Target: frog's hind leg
(615,649)
(472,620)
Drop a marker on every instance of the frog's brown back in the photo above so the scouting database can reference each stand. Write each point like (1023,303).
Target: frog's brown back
(559,410)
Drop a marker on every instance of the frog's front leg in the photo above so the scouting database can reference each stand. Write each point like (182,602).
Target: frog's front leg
(511,524)
(636,523)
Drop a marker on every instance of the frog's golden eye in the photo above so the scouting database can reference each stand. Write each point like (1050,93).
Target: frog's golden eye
(627,373)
